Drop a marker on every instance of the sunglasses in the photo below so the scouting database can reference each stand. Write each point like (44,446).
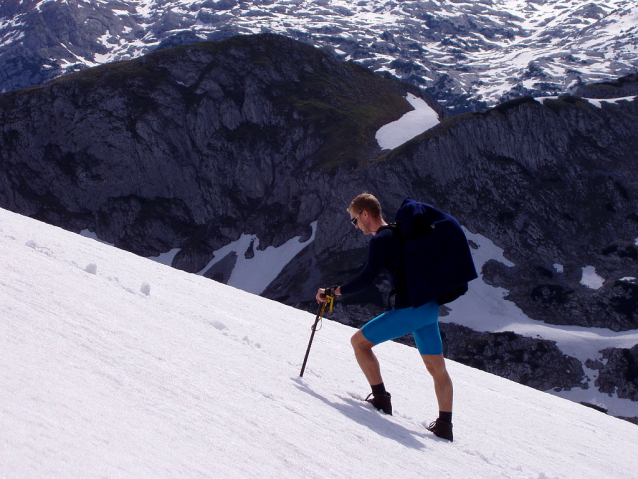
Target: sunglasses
(354,220)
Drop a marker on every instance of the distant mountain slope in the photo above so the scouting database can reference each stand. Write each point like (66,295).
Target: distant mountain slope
(467,54)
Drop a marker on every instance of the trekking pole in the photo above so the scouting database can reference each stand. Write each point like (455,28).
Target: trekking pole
(320,311)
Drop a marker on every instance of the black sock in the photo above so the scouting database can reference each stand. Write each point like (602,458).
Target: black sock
(445,416)
(378,390)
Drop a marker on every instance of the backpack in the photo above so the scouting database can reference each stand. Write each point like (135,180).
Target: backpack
(437,262)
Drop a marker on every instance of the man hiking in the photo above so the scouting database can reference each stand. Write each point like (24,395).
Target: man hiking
(386,253)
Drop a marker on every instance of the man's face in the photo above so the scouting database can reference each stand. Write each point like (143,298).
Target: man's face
(361,222)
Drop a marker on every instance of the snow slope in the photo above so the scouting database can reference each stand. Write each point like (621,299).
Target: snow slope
(113,365)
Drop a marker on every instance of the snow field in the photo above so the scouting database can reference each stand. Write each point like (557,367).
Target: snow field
(192,378)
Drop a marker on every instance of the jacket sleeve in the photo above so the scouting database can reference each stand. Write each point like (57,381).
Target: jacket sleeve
(378,251)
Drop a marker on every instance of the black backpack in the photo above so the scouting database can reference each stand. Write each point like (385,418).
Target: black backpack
(437,261)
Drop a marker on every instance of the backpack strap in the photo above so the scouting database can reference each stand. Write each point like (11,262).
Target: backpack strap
(390,226)
(399,274)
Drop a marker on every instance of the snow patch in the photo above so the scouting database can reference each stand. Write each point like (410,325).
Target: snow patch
(597,102)
(412,124)
(591,279)
(558,267)
(255,273)
(594,101)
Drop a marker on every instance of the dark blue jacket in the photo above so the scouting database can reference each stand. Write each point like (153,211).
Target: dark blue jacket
(425,254)
(384,255)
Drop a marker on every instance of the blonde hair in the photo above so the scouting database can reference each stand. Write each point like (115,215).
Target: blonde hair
(366,201)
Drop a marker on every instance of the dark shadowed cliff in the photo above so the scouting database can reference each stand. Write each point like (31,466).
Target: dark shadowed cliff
(190,147)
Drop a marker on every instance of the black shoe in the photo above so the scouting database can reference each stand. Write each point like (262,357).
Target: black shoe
(381,402)
(442,429)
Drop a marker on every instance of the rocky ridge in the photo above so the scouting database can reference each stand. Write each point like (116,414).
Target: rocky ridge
(194,145)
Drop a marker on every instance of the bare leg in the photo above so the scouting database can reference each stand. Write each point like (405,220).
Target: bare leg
(368,362)
(435,363)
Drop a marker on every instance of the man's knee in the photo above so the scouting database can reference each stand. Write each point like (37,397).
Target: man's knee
(435,364)
(359,341)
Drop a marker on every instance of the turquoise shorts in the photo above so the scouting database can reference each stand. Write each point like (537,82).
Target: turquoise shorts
(422,322)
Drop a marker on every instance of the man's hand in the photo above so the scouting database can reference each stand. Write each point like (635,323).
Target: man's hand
(321,295)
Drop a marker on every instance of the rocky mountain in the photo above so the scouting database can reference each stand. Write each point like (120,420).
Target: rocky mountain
(194,146)
(468,55)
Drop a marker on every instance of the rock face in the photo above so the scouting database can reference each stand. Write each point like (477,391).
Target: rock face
(535,362)
(618,374)
(193,146)
(43,40)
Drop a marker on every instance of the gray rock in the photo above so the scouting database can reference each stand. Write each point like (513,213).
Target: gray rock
(618,372)
(538,363)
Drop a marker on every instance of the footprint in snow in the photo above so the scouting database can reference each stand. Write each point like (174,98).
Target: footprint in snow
(355,395)
(217,324)
(224,329)
(145,289)
(248,342)
(40,249)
